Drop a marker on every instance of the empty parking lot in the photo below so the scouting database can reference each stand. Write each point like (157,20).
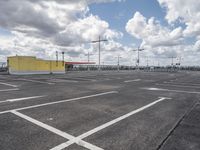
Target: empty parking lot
(127,110)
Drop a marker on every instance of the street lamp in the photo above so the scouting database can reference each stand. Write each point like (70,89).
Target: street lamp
(56,58)
(63,57)
(88,55)
(118,64)
(99,41)
(138,60)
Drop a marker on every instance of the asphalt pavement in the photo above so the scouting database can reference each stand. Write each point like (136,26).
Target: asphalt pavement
(110,110)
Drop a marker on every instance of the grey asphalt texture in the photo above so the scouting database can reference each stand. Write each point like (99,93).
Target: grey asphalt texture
(171,124)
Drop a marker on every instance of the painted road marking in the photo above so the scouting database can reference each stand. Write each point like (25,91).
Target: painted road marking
(97,129)
(128,81)
(56,131)
(8,84)
(63,80)
(22,99)
(167,90)
(86,79)
(175,85)
(5,90)
(61,101)
(183,83)
(35,81)
(80,78)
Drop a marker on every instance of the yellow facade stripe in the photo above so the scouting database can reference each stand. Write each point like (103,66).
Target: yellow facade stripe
(32,65)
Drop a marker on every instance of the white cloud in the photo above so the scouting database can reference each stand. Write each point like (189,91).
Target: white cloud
(152,33)
(162,42)
(186,11)
(197,45)
(40,27)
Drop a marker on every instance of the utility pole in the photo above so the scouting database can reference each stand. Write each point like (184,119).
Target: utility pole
(138,60)
(99,41)
(147,62)
(180,59)
(118,64)
(172,57)
(88,56)
(179,62)
(56,58)
(88,61)
(63,58)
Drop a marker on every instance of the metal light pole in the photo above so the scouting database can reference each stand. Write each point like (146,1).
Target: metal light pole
(63,57)
(56,58)
(172,60)
(138,60)
(118,65)
(88,61)
(179,62)
(99,41)
(147,62)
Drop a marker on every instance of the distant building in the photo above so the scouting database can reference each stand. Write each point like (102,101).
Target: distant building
(33,65)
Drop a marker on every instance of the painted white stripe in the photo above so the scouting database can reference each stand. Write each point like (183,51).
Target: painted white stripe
(56,131)
(128,81)
(167,90)
(24,98)
(21,99)
(183,83)
(35,81)
(85,79)
(61,101)
(63,80)
(175,85)
(8,84)
(5,90)
(97,129)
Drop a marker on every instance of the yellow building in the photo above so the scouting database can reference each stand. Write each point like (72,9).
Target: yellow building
(33,65)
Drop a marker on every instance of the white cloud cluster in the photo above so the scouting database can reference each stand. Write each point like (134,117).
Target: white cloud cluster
(152,33)
(40,26)
(172,39)
(186,11)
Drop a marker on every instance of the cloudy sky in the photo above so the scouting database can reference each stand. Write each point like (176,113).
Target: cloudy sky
(164,28)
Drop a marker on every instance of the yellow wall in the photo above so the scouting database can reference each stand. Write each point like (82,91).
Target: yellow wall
(32,65)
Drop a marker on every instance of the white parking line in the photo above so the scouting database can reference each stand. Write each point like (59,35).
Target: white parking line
(184,83)
(83,79)
(8,84)
(128,81)
(22,99)
(63,80)
(84,135)
(175,85)
(35,81)
(167,90)
(5,90)
(61,101)
(56,131)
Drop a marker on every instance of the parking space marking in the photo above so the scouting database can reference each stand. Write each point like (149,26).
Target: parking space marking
(61,101)
(22,99)
(83,79)
(183,83)
(135,80)
(35,81)
(175,85)
(101,127)
(8,84)
(63,80)
(167,90)
(56,131)
(6,90)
